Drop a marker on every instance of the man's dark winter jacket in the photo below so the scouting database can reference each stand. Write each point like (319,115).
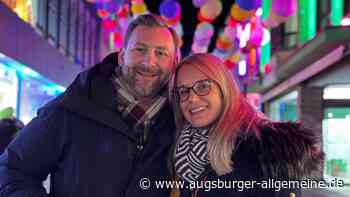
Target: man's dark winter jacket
(82,141)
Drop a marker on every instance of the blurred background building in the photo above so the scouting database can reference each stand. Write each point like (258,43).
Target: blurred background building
(290,57)
(44,44)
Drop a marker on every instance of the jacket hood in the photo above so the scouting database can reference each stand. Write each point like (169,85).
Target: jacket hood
(92,95)
(287,150)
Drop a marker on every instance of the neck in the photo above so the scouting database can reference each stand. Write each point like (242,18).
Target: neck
(145,102)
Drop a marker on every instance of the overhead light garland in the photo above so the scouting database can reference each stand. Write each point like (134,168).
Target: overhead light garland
(245,37)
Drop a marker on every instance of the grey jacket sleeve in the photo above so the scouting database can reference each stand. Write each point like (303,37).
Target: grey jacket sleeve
(32,155)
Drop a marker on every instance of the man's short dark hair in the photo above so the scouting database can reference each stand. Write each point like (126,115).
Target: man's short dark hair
(151,20)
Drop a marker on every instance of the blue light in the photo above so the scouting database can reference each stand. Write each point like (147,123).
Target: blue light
(28,73)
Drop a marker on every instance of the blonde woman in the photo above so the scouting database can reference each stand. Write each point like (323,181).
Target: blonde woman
(222,138)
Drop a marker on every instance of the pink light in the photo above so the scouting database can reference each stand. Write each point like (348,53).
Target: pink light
(345,21)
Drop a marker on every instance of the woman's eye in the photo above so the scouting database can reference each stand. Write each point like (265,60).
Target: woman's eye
(202,86)
(182,91)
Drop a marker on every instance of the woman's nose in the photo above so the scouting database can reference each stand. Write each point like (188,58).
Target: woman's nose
(192,96)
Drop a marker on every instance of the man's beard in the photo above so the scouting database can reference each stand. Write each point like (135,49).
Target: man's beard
(146,89)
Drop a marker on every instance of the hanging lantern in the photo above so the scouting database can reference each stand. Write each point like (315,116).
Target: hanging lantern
(204,30)
(202,42)
(109,25)
(229,65)
(170,9)
(234,58)
(199,49)
(172,21)
(256,32)
(211,9)
(198,3)
(239,14)
(203,19)
(223,42)
(248,4)
(123,11)
(284,8)
(267,69)
(232,22)
(280,11)
(118,40)
(102,13)
(252,57)
(230,32)
(139,8)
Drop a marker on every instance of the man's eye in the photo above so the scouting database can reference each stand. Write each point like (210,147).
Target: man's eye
(162,53)
(139,49)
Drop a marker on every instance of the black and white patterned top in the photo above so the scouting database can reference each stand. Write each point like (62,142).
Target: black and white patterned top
(191,155)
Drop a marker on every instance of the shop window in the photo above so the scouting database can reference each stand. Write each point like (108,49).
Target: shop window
(323,14)
(64,23)
(53,20)
(42,12)
(34,95)
(23,89)
(339,91)
(284,108)
(346,7)
(336,143)
(94,36)
(88,39)
(8,88)
(81,34)
(291,32)
(73,27)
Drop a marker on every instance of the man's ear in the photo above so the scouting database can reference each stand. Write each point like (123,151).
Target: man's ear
(121,57)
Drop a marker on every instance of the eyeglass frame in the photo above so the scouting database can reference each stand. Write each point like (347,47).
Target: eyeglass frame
(188,89)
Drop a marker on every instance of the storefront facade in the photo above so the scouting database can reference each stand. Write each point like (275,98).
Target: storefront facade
(314,88)
(24,90)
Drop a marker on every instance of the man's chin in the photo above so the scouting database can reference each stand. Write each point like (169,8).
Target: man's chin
(148,93)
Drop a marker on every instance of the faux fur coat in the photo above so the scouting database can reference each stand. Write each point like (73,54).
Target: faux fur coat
(279,151)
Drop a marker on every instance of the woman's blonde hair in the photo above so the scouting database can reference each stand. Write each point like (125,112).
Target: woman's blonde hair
(236,116)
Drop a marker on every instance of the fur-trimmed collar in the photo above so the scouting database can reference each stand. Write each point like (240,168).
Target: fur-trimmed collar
(285,150)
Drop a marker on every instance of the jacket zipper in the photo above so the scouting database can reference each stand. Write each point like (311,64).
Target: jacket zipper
(139,148)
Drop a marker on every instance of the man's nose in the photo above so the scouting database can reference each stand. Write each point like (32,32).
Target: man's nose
(150,59)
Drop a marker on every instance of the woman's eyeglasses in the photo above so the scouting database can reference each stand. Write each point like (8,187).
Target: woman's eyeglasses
(200,88)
